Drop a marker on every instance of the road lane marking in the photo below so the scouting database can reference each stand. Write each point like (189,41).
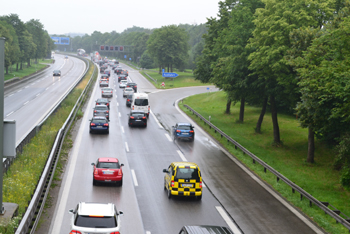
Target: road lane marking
(26,87)
(19,90)
(160,126)
(148,232)
(134,177)
(47,88)
(120,115)
(167,136)
(53,83)
(181,156)
(126,147)
(122,129)
(25,103)
(228,220)
(117,103)
(10,95)
(10,113)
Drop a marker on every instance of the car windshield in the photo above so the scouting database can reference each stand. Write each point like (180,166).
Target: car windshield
(123,81)
(114,165)
(101,108)
(129,89)
(187,173)
(184,127)
(141,102)
(95,222)
(101,100)
(108,89)
(137,114)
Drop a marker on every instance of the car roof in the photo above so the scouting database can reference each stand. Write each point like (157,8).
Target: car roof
(108,159)
(137,111)
(102,100)
(184,164)
(99,117)
(102,209)
(132,83)
(207,229)
(186,124)
(102,106)
(56,70)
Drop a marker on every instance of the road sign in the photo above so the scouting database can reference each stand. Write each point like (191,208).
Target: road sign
(163,84)
(170,74)
(124,56)
(130,59)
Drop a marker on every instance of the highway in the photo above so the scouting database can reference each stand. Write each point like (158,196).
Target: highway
(231,196)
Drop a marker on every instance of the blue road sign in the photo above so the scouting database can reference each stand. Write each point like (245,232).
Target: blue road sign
(130,59)
(163,71)
(124,56)
(170,74)
(61,40)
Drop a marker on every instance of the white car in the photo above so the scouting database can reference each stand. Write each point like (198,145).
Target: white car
(123,83)
(95,218)
(128,91)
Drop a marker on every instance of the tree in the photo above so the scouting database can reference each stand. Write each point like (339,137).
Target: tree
(168,46)
(36,29)
(11,44)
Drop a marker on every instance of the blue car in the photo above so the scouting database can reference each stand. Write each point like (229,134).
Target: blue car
(99,124)
(183,131)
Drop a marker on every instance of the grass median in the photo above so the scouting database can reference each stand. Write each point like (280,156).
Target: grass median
(26,71)
(21,179)
(318,179)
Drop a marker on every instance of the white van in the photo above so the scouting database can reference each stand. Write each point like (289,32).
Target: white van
(140,102)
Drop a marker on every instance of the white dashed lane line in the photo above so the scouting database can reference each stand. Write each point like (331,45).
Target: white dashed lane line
(10,113)
(27,87)
(120,115)
(38,94)
(25,103)
(228,220)
(19,90)
(134,177)
(122,129)
(47,88)
(167,136)
(181,156)
(10,95)
(126,147)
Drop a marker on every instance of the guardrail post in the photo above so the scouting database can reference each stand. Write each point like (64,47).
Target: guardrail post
(278,179)
(265,169)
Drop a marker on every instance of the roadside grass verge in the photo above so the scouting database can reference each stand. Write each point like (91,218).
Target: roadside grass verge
(318,179)
(185,79)
(27,71)
(21,179)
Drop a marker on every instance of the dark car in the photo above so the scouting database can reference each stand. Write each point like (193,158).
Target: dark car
(183,131)
(99,124)
(124,72)
(132,85)
(107,92)
(129,100)
(205,229)
(104,76)
(102,69)
(102,101)
(56,73)
(118,70)
(101,110)
(107,72)
(107,170)
(122,77)
(137,118)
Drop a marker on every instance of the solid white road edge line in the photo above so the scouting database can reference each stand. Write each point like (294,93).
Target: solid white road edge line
(9,113)
(228,220)
(181,156)
(126,147)
(122,129)
(154,117)
(262,184)
(119,115)
(134,177)
(148,232)
(25,103)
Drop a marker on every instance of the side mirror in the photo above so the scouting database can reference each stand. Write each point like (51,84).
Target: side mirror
(192,126)
(122,165)
(93,164)
(165,170)
(121,213)
(173,126)
(71,211)
(89,119)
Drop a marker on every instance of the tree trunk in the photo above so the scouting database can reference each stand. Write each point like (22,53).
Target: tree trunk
(276,130)
(7,70)
(21,66)
(171,67)
(160,69)
(228,106)
(241,110)
(261,117)
(311,146)
(16,66)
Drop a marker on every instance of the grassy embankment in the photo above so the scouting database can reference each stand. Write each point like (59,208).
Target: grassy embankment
(26,71)
(20,181)
(318,179)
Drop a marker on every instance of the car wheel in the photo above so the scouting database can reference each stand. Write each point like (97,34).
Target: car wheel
(121,183)
(90,131)
(107,131)
(94,182)
(199,198)
(164,186)
(169,194)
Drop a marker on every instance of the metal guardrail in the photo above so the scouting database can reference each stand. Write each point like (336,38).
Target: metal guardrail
(155,80)
(33,212)
(322,205)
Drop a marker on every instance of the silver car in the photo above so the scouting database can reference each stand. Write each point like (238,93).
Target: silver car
(128,91)
(122,83)
(107,92)
(95,218)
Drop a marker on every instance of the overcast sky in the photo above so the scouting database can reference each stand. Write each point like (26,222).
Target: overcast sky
(87,16)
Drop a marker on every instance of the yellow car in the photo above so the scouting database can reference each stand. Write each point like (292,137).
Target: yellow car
(183,179)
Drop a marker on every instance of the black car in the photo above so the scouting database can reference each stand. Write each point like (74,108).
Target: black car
(104,76)
(56,73)
(107,72)
(137,118)
(204,229)
(183,131)
(122,77)
(102,101)
(99,124)
(128,100)
(102,69)
(101,110)
(132,85)
(124,72)
(118,70)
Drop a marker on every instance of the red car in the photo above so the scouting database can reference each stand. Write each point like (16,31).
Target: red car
(107,170)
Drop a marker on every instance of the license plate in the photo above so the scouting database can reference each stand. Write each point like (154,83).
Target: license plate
(107,180)
(187,185)
(99,126)
(108,172)
(184,133)
(137,120)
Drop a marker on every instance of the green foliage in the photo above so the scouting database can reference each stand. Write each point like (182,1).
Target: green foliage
(146,61)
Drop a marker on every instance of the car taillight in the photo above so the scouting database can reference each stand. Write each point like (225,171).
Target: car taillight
(200,184)
(178,131)
(92,124)
(102,91)
(128,100)
(143,117)
(132,117)
(95,111)
(119,172)
(172,183)
(106,125)
(115,232)
(191,131)
(107,111)
(97,103)
(149,107)
(74,231)
(133,107)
